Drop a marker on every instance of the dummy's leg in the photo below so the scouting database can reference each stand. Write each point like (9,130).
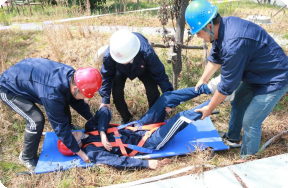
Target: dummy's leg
(171,99)
(34,128)
(178,122)
(213,84)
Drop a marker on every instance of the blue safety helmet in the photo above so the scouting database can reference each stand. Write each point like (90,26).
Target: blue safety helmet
(198,14)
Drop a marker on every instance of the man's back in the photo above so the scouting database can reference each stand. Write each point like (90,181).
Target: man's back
(248,53)
(37,78)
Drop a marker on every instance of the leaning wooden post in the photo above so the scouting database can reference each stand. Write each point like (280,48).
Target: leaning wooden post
(17,9)
(29,7)
(42,5)
(22,6)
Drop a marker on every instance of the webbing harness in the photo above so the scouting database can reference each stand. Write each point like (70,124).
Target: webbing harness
(118,142)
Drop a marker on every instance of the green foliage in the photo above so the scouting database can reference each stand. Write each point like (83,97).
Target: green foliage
(131,6)
(65,183)
(232,8)
(285,36)
(282,105)
(191,70)
(94,4)
(4,20)
(7,166)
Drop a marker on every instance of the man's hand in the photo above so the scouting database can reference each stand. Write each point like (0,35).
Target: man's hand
(105,141)
(206,111)
(153,164)
(102,105)
(215,101)
(83,156)
(199,83)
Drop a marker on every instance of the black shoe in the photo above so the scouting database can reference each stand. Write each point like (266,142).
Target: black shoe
(229,142)
(233,144)
(222,134)
(30,164)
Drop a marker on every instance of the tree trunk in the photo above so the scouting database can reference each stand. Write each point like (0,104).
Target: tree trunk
(121,6)
(88,7)
(179,35)
(115,6)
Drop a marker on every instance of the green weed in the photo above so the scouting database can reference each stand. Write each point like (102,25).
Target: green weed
(282,106)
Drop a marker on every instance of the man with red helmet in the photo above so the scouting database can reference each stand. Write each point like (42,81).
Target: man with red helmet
(54,85)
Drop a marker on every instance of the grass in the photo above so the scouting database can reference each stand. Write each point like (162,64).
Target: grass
(75,44)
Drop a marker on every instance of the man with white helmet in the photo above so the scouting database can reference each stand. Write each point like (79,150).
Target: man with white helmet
(54,85)
(129,56)
(252,63)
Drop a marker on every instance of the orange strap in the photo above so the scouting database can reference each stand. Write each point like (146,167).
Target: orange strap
(118,141)
(143,140)
(146,127)
(99,144)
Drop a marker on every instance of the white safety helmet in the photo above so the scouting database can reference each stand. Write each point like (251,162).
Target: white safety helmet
(124,46)
(100,54)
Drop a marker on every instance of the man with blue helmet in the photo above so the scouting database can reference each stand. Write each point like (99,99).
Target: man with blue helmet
(252,63)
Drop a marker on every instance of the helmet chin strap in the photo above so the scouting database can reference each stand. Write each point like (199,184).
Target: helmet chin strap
(210,32)
(75,93)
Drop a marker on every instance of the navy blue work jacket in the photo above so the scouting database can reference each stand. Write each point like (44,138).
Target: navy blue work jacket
(145,59)
(99,155)
(248,53)
(47,83)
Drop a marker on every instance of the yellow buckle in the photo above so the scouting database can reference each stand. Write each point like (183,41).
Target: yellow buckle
(148,134)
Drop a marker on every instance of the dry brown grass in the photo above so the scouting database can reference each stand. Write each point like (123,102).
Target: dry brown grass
(76,46)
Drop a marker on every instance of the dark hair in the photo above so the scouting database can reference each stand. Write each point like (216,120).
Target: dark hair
(217,19)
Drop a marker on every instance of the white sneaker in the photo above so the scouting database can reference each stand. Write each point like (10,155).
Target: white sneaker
(30,164)
(212,85)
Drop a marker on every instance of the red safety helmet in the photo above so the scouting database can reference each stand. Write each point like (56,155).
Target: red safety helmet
(88,80)
(63,149)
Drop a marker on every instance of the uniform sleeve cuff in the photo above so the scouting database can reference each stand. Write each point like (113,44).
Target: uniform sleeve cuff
(145,163)
(76,149)
(222,91)
(106,100)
